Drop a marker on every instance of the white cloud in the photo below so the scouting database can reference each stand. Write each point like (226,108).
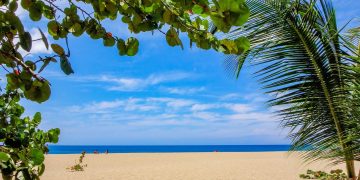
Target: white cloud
(202,107)
(174,109)
(231,96)
(179,103)
(253,116)
(136,84)
(165,116)
(184,91)
(242,108)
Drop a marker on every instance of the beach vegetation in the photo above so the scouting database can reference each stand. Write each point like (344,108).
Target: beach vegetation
(337,174)
(23,143)
(79,165)
(310,68)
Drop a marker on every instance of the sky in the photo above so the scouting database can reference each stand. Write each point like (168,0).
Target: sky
(161,96)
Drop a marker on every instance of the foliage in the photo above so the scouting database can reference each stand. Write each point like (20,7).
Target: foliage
(333,175)
(79,166)
(311,72)
(188,16)
(24,145)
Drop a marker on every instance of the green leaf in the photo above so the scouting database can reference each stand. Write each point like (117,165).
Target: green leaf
(15,21)
(167,16)
(44,39)
(58,49)
(35,11)
(37,118)
(53,28)
(132,46)
(26,3)
(31,65)
(228,46)
(38,92)
(109,41)
(243,44)
(121,47)
(65,65)
(126,19)
(13,81)
(4,156)
(37,156)
(172,37)
(25,41)
(53,135)
(240,19)
(46,62)
(41,169)
(13,6)
(197,9)
(48,12)
(77,29)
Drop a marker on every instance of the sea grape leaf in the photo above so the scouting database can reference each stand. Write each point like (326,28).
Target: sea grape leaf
(167,16)
(132,46)
(13,6)
(35,11)
(37,156)
(53,28)
(4,156)
(44,39)
(26,3)
(13,82)
(243,44)
(46,62)
(58,49)
(109,41)
(38,92)
(41,169)
(172,38)
(25,41)
(53,135)
(197,9)
(121,47)
(65,65)
(37,118)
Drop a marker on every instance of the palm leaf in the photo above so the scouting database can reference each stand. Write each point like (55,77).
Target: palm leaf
(302,59)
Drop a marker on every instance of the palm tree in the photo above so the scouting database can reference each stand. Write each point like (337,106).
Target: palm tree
(311,70)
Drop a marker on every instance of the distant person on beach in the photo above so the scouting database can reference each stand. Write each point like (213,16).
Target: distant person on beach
(96,152)
(107,151)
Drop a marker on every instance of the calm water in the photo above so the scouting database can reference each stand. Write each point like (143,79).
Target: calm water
(58,149)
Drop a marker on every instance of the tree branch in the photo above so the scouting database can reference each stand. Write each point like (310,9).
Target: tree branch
(26,67)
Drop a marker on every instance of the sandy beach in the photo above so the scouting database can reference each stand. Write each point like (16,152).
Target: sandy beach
(183,166)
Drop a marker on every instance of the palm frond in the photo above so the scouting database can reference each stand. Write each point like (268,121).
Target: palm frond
(303,61)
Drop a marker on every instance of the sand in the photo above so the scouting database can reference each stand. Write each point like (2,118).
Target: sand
(182,166)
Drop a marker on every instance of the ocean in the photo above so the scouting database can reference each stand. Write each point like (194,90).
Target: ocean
(72,149)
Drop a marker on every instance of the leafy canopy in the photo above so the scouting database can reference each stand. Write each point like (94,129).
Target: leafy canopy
(173,16)
(22,153)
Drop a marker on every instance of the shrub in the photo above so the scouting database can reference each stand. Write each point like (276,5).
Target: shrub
(79,166)
(337,174)
(23,144)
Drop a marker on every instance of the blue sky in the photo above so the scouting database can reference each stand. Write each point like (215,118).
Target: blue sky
(163,95)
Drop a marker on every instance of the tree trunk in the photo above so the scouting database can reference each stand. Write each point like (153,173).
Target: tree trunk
(350,167)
